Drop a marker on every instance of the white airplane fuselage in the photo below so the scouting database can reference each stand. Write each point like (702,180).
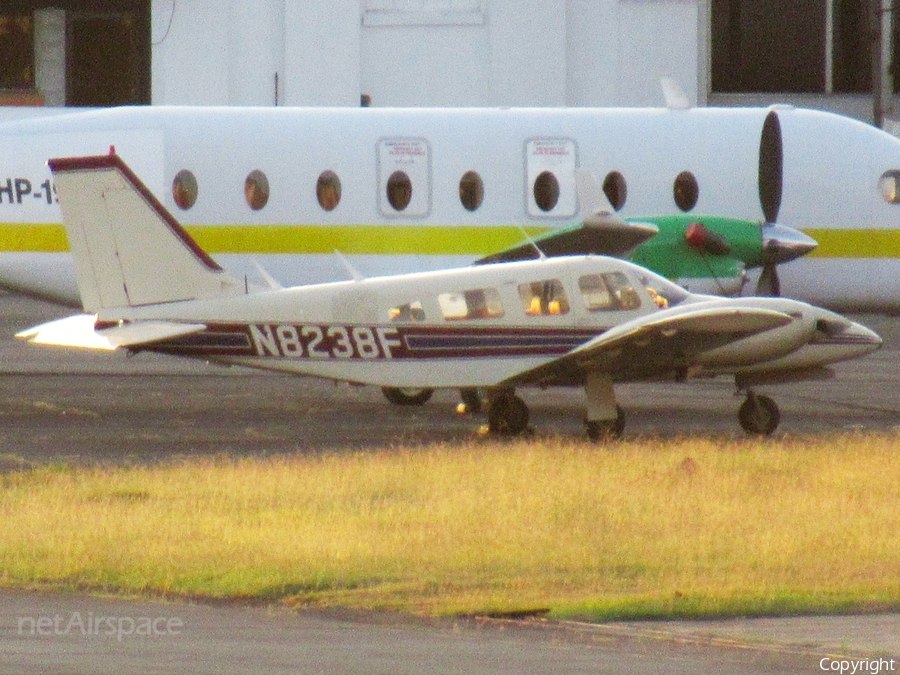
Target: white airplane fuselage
(839,180)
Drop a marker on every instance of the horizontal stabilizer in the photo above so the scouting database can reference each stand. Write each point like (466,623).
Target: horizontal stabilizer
(80,331)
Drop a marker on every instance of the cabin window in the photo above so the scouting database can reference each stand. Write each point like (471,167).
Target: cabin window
(546,191)
(184,189)
(399,190)
(686,191)
(410,311)
(615,189)
(550,177)
(471,190)
(544,298)
(256,189)
(890,186)
(479,303)
(662,291)
(328,190)
(404,177)
(608,292)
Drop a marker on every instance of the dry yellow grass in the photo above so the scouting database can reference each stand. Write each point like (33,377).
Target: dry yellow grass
(646,528)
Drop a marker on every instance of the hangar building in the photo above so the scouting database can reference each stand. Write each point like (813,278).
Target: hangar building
(816,53)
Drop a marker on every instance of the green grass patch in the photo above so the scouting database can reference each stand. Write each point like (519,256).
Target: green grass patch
(643,529)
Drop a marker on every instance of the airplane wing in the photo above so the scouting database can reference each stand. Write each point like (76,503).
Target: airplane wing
(80,331)
(654,346)
(600,232)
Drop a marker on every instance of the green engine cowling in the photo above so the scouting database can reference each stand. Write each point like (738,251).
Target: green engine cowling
(702,258)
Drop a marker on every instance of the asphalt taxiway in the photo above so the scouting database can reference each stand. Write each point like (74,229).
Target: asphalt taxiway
(85,408)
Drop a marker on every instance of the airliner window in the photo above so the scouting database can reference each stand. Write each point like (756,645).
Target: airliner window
(890,186)
(399,190)
(686,191)
(544,298)
(471,190)
(411,311)
(328,190)
(615,189)
(546,191)
(256,189)
(607,292)
(479,303)
(184,189)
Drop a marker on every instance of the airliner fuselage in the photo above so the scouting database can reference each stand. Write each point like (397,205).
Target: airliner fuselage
(423,189)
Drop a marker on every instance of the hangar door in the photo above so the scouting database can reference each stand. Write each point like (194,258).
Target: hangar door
(77,52)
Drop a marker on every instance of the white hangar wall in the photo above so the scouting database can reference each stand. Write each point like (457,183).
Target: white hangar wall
(619,49)
(426,52)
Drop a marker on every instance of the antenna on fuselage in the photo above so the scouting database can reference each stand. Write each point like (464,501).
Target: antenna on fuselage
(350,268)
(271,281)
(541,254)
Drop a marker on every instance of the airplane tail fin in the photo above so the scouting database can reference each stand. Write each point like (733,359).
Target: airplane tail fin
(128,249)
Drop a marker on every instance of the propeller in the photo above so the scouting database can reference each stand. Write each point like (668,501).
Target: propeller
(780,243)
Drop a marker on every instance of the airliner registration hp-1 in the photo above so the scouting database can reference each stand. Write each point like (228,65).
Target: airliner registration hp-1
(586,320)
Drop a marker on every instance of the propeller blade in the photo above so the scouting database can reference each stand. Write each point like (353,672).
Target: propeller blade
(771,167)
(769,284)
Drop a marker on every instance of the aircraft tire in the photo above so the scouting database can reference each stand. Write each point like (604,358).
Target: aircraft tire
(606,430)
(407,396)
(759,415)
(508,415)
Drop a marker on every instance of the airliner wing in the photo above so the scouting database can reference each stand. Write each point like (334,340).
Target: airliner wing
(80,331)
(601,231)
(655,345)
(600,234)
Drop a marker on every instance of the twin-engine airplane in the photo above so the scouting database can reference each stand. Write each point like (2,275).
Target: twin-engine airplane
(589,321)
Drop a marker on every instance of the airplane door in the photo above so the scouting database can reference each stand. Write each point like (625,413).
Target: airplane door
(550,177)
(404,177)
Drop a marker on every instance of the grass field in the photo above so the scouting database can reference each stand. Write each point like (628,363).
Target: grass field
(645,528)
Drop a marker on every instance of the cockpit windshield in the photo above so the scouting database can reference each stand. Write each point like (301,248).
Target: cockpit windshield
(664,292)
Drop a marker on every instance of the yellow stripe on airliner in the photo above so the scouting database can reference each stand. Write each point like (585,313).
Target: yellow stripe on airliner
(32,238)
(869,243)
(360,239)
(477,240)
(263,239)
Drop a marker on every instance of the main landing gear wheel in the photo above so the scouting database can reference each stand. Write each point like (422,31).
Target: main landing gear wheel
(399,396)
(601,430)
(508,415)
(759,415)
(471,402)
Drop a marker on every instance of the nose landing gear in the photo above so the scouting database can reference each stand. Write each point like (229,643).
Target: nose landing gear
(602,430)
